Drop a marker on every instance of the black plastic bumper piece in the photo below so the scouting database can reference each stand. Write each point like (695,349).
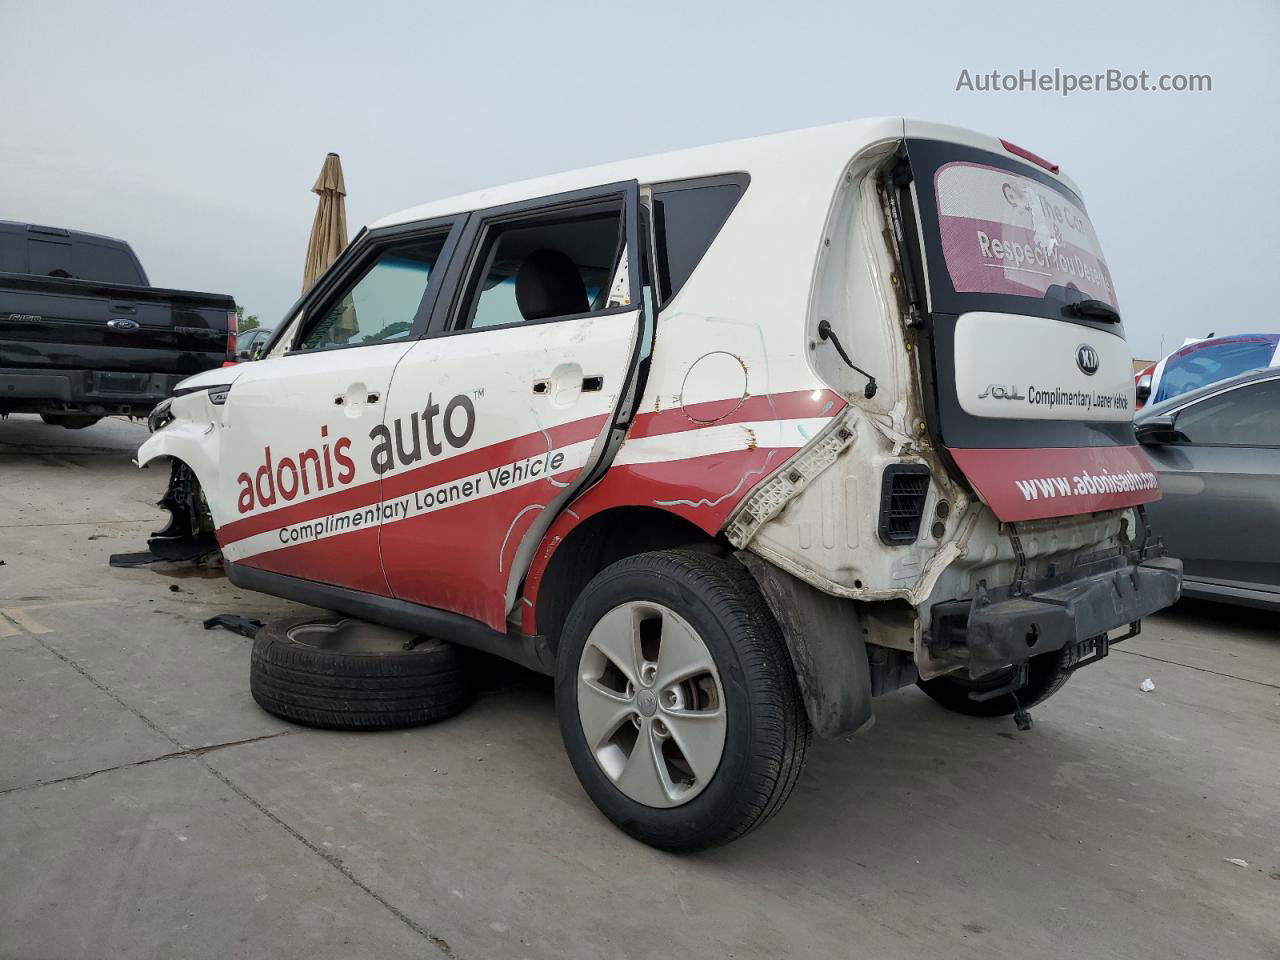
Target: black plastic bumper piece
(87,391)
(996,630)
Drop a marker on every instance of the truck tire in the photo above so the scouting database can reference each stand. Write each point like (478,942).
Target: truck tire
(1046,675)
(72,421)
(341,674)
(677,700)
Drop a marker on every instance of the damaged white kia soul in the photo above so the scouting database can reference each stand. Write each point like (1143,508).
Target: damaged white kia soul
(730,441)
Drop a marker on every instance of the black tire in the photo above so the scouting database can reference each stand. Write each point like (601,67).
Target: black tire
(374,684)
(767,730)
(1046,675)
(72,421)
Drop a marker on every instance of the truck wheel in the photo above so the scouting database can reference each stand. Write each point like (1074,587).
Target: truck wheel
(1046,675)
(343,674)
(72,421)
(677,700)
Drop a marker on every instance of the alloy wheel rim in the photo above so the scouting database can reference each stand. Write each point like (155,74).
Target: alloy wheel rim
(651,704)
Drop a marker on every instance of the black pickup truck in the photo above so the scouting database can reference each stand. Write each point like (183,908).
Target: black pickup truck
(84,335)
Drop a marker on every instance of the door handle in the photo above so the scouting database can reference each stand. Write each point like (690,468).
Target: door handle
(341,398)
(589,385)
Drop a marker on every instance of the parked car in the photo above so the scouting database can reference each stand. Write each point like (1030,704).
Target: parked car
(700,435)
(1217,450)
(83,334)
(249,344)
(1199,363)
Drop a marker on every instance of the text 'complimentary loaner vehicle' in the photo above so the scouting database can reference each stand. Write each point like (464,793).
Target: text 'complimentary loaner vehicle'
(730,440)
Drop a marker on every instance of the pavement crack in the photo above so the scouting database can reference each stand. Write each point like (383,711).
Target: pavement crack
(72,523)
(175,755)
(197,755)
(1216,673)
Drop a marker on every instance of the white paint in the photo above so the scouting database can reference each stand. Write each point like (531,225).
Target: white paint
(1024,368)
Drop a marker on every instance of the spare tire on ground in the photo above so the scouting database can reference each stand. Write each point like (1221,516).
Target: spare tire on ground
(339,673)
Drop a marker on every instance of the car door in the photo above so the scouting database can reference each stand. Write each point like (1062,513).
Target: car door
(1221,505)
(299,427)
(515,400)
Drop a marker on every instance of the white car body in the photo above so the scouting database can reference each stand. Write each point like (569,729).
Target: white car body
(750,432)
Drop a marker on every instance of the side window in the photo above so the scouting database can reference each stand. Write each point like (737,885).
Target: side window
(1247,416)
(547,267)
(383,304)
(686,219)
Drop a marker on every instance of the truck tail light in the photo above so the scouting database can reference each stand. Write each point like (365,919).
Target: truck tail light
(231,339)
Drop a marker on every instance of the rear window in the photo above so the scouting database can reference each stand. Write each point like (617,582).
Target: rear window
(1001,236)
(72,259)
(12,253)
(105,263)
(1002,232)
(1200,364)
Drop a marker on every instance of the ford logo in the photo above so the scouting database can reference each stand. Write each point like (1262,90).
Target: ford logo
(122,323)
(1087,359)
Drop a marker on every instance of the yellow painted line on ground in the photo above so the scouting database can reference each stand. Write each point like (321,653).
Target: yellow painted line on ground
(7,627)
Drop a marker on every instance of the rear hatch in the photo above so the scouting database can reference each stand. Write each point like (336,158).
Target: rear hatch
(1026,363)
(48,323)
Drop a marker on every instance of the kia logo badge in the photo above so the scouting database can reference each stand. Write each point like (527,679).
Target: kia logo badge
(123,323)
(1087,359)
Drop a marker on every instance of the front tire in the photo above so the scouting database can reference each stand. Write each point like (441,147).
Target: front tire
(678,702)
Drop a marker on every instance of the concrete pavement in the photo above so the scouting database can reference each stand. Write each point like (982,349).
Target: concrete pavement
(148,808)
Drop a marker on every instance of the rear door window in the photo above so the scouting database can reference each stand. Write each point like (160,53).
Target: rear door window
(548,268)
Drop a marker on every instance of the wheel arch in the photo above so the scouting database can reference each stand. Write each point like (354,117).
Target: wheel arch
(578,546)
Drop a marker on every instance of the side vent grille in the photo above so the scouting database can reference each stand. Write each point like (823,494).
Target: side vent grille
(903,491)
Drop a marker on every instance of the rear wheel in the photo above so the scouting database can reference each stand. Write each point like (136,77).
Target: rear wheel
(344,674)
(1046,675)
(677,700)
(72,421)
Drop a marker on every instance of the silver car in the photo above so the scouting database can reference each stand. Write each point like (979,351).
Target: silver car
(1217,450)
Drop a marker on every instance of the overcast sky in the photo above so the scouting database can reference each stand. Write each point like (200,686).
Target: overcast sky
(196,134)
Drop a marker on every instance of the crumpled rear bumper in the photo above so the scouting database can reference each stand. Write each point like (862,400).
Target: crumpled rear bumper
(1008,626)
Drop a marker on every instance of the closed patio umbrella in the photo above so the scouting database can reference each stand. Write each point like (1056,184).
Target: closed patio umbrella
(329,229)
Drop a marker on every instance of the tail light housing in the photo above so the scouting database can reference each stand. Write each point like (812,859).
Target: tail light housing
(232,320)
(904,488)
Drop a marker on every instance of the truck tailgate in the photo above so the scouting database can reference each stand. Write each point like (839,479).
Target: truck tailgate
(51,324)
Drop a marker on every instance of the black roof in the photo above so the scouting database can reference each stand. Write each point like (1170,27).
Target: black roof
(14,226)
